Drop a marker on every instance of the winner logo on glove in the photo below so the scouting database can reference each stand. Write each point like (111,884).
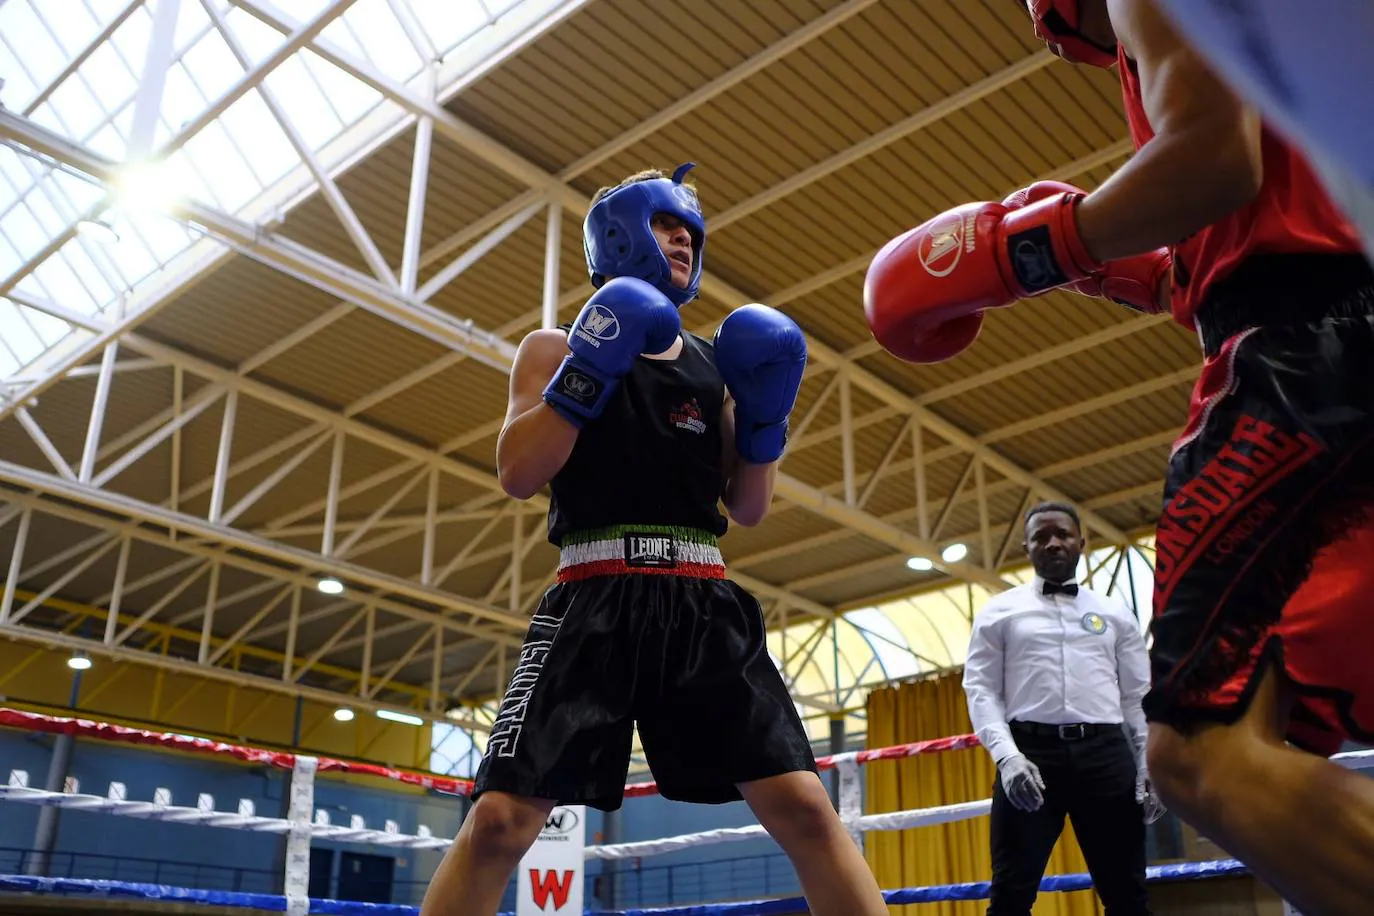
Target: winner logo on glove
(598,324)
(944,244)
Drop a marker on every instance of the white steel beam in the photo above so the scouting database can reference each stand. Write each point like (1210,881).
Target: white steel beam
(369,630)
(726,81)
(296,39)
(275,527)
(117,594)
(322,651)
(873,527)
(247,627)
(390,503)
(98,405)
(847,438)
(202,401)
(533,176)
(271,481)
(259,391)
(419,183)
(290,258)
(918,458)
(893,447)
(957,495)
(553,241)
(1130,326)
(959,438)
(21,539)
(122,636)
(157,60)
(311,565)
(406,657)
(61,582)
(328,189)
(860,263)
(44,444)
(95,648)
(484,245)
(95,44)
(958,101)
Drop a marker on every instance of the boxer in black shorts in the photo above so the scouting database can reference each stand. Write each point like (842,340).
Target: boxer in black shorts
(641,431)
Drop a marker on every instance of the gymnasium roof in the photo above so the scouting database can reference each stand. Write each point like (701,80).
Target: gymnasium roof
(329,222)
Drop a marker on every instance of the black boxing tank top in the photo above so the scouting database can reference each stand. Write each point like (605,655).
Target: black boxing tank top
(653,457)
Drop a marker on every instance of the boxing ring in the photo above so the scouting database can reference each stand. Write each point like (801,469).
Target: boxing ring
(304,824)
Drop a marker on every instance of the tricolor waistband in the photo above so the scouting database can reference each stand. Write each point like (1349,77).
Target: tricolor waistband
(658,550)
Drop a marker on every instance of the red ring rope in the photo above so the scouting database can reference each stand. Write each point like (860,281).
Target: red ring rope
(38,722)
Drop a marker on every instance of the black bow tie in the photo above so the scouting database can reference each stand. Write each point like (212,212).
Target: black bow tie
(1067,588)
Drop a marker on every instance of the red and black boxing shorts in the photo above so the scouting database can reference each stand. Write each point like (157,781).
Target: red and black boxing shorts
(1265,545)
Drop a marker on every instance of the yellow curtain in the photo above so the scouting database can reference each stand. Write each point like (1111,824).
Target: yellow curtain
(947,853)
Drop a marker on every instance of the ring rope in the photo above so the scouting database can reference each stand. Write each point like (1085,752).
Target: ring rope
(977,890)
(245,819)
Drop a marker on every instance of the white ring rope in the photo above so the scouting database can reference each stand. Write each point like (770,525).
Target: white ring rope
(319,827)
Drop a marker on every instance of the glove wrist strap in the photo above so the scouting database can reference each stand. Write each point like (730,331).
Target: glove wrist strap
(760,443)
(1042,247)
(578,392)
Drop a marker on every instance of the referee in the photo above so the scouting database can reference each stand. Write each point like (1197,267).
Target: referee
(1054,679)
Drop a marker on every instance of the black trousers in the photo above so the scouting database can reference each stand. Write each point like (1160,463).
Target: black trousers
(1091,780)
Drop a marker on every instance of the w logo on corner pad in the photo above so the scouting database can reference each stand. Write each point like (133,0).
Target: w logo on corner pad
(560,821)
(551,887)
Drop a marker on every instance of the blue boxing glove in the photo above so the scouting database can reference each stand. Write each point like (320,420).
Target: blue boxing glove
(622,319)
(761,355)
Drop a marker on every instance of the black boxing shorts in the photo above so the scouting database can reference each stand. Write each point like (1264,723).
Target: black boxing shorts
(1265,545)
(642,628)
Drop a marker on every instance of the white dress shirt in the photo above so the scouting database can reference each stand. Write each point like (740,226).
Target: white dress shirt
(1055,659)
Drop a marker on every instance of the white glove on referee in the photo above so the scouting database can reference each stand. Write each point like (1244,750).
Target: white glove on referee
(1146,797)
(1022,782)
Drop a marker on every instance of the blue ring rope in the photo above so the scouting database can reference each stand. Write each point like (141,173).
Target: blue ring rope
(977,890)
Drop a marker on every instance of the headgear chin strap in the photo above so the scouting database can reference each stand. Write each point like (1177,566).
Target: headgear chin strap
(1057,25)
(618,234)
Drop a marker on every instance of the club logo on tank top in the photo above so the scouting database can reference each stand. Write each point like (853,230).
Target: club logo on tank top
(687,415)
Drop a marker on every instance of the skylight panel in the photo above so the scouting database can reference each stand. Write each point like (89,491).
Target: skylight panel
(447,23)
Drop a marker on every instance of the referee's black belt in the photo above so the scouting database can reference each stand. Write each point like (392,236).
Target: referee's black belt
(1075,731)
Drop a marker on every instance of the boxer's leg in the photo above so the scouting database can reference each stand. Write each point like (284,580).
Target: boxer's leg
(1303,824)
(1264,577)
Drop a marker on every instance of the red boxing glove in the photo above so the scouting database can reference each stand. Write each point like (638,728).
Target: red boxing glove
(925,291)
(1133,282)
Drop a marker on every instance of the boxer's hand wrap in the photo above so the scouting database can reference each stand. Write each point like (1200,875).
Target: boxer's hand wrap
(761,355)
(622,319)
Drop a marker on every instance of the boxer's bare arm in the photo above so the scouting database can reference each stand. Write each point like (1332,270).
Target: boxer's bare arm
(748,490)
(1204,161)
(535,441)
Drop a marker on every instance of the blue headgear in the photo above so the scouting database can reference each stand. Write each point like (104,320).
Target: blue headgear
(619,239)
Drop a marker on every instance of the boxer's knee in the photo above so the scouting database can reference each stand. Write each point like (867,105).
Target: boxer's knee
(1201,772)
(1175,766)
(502,827)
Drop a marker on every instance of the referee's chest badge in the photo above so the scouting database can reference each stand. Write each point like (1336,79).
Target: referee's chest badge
(1094,623)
